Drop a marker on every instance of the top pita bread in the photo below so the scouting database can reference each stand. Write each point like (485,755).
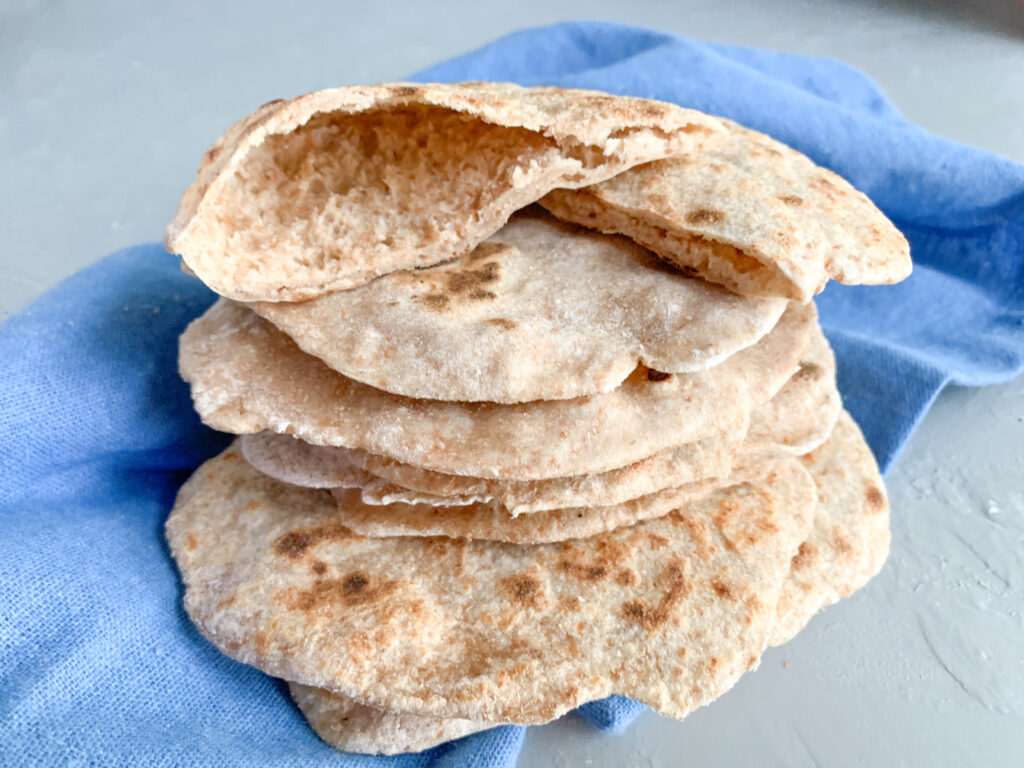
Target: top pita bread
(747,212)
(539,311)
(329,190)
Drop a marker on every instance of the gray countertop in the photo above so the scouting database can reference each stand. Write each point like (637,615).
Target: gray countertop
(108,106)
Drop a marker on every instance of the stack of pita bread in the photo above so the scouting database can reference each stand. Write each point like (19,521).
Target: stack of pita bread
(533,404)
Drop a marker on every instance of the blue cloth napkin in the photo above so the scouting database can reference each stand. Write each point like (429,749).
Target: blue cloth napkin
(98,663)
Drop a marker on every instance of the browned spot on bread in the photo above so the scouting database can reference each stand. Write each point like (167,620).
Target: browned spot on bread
(523,590)
(405,90)
(470,281)
(319,567)
(841,541)
(501,322)
(349,591)
(653,375)
(191,541)
(809,371)
(656,541)
(794,200)
(723,589)
(434,301)
(272,101)
(295,544)
(482,295)
(804,556)
(596,565)
(626,577)
(675,587)
(704,216)
(252,506)
(212,153)
(875,499)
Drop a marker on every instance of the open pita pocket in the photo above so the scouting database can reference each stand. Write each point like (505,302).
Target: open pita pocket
(849,541)
(747,212)
(327,191)
(247,376)
(541,310)
(669,612)
(847,545)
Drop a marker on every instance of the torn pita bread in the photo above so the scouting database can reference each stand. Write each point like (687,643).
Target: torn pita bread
(747,212)
(541,310)
(849,541)
(327,191)
(247,376)
(847,546)
(669,612)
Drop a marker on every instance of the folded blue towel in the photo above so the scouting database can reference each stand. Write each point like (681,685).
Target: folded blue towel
(98,663)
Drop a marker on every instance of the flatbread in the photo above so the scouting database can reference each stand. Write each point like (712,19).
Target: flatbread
(541,310)
(747,212)
(801,415)
(850,538)
(352,727)
(327,191)
(491,522)
(293,461)
(847,546)
(797,419)
(669,612)
(247,376)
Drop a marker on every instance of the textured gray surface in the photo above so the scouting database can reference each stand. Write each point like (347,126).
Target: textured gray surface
(106,107)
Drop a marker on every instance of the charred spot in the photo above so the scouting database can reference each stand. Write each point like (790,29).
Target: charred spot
(809,371)
(472,280)
(653,375)
(875,499)
(723,590)
(353,589)
(501,322)
(805,555)
(626,577)
(675,587)
(482,295)
(434,301)
(295,544)
(793,200)
(704,216)
(523,590)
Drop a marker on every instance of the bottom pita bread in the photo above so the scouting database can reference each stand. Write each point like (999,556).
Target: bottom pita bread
(848,544)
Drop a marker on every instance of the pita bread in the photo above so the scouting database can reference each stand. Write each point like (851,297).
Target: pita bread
(670,611)
(801,415)
(352,727)
(847,546)
(849,541)
(247,376)
(491,522)
(539,311)
(797,419)
(747,212)
(327,191)
(293,461)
